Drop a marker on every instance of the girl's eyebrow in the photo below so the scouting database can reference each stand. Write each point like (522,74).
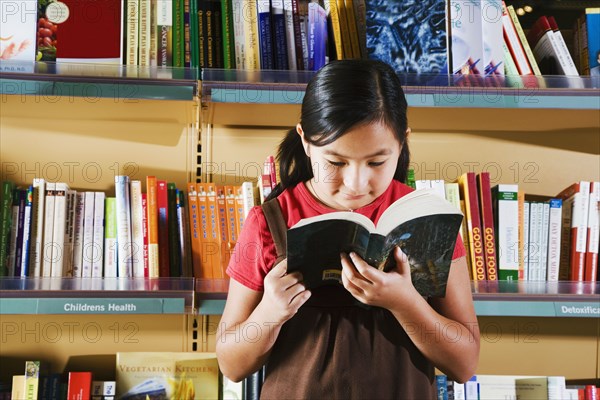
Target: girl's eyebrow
(382,152)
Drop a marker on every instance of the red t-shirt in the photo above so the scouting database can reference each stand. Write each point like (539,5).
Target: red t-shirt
(254,253)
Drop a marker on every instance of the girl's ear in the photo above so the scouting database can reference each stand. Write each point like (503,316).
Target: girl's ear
(304,142)
(408,131)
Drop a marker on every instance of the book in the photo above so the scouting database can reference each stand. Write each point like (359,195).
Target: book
(80,24)
(98,235)
(467,37)
(125,246)
(137,231)
(79,386)
(491,25)
(19,31)
(421,223)
(541,388)
(593,234)
(110,238)
(5,223)
(32,380)
(547,49)
(576,199)
(87,248)
(411,37)
(569,64)
(152,216)
(487,225)
(592,33)
(167,375)
(468,190)
(523,39)
(514,44)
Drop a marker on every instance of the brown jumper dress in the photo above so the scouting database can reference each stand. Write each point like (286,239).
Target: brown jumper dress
(337,348)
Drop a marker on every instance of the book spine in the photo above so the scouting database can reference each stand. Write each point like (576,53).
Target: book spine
(280,56)
(59,227)
(37,228)
(19,224)
(514,44)
(78,234)
(110,238)
(217,30)
(202,39)
(177,33)
(88,235)
(345,31)
(48,229)
(145,21)
(545,210)
(506,213)
(296,19)
(214,247)
(207,268)
(26,232)
(491,26)
(251,35)
(145,233)
(265,34)
(185,240)
(6,223)
(98,229)
(154,33)
(124,242)
(153,253)
(352,30)
(487,225)
(194,35)
(228,34)
(223,228)
(554,235)
(332,11)
(194,224)
(523,39)
(79,385)
(32,379)
(289,34)
(162,204)
(569,65)
(12,240)
(593,234)
(133,24)
(360,11)
(239,36)
(70,233)
(469,191)
(137,233)
(173,232)
(164,33)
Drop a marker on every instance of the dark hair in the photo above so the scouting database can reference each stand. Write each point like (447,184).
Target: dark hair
(340,96)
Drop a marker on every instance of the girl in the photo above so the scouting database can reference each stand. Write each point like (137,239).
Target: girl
(374,336)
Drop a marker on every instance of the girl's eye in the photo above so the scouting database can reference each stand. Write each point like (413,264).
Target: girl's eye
(336,163)
(376,163)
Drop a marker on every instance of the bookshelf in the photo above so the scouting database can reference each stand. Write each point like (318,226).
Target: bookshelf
(543,138)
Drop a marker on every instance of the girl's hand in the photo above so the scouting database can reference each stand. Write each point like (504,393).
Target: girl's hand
(284,293)
(378,288)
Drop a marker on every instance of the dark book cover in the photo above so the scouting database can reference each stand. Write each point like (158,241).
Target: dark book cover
(422,224)
(411,36)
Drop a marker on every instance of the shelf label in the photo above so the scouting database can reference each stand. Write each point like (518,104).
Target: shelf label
(577,309)
(92,306)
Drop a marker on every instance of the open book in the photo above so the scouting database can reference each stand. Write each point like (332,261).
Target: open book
(423,224)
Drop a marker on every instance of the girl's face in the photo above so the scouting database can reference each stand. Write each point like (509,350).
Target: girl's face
(354,170)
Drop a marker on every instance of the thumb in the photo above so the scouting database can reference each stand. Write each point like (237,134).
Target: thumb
(402,265)
(279,269)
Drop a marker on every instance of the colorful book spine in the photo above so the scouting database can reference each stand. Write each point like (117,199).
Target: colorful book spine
(280,57)
(593,234)
(98,230)
(5,224)
(37,227)
(523,38)
(164,21)
(514,43)
(487,225)
(228,34)
(178,33)
(194,217)
(331,9)
(162,204)
(173,232)
(554,236)
(25,249)
(569,64)
(48,244)
(69,246)
(110,238)
(137,230)
(152,216)
(265,37)
(79,386)
(468,184)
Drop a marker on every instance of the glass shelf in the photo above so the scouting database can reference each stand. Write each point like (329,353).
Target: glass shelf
(287,87)
(96,296)
(48,79)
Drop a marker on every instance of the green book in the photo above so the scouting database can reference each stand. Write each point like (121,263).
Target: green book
(5,223)
(228,35)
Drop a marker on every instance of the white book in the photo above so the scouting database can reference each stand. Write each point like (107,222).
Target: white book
(47,245)
(110,238)
(78,235)
(535,234)
(88,235)
(439,186)
(124,242)
(513,41)
(466,34)
(237,10)
(526,212)
(59,227)
(37,227)
(70,233)
(137,229)
(543,267)
(493,38)
(593,234)
(247,196)
(554,235)
(251,37)
(422,184)
(98,231)
(565,58)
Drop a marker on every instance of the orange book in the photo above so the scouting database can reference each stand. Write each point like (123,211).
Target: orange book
(240,215)
(213,242)
(576,200)
(468,189)
(223,229)
(79,386)
(487,225)
(206,270)
(194,218)
(152,218)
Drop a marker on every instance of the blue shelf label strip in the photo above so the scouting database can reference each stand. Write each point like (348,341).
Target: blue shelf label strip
(93,306)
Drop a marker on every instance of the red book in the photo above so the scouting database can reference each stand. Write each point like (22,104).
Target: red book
(79,386)
(593,234)
(162,203)
(145,233)
(88,31)
(487,225)
(576,200)
(468,189)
